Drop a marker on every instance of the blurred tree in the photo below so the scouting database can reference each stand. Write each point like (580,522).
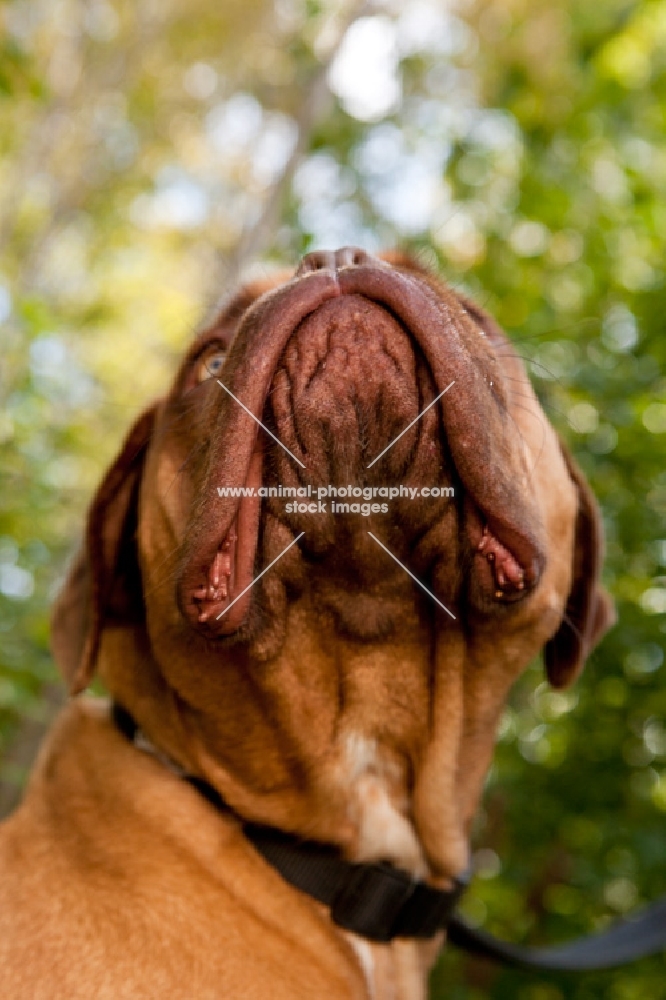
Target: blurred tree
(138,145)
(519,146)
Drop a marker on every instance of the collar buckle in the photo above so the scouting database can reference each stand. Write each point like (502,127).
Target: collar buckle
(371,900)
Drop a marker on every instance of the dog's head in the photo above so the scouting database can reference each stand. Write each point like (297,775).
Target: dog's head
(277,642)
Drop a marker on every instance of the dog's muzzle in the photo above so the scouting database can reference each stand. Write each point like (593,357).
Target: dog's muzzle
(335,364)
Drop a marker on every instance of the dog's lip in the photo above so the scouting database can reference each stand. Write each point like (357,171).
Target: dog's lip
(511,565)
(503,505)
(253,358)
(251,363)
(216,596)
(213,594)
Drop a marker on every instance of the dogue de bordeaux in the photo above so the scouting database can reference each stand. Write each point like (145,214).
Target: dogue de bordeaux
(330,669)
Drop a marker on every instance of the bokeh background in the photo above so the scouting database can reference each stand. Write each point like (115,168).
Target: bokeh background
(153,151)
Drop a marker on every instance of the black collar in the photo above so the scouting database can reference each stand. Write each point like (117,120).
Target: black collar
(376,900)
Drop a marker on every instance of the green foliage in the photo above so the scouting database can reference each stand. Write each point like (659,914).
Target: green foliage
(525,156)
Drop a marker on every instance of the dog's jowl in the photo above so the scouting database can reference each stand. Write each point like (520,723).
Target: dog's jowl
(307,582)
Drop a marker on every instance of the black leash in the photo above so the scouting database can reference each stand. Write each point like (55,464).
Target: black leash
(625,941)
(381,902)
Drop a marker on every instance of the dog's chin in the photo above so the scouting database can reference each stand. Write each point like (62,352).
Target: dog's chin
(349,382)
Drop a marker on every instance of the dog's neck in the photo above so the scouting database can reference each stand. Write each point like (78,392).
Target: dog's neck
(384,831)
(345,777)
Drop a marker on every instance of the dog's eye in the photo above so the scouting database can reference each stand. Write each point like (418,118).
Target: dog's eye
(210,366)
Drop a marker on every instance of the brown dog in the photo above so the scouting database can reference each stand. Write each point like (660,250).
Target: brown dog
(334,699)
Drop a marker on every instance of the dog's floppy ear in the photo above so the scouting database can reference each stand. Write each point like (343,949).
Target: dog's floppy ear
(590,611)
(103,586)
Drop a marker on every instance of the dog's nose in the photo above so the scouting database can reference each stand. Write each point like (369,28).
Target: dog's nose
(334,260)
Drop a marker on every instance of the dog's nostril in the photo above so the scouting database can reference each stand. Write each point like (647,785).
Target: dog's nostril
(319,260)
(350,256)
(329,260)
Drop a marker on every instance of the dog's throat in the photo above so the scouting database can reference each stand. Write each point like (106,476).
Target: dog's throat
(377,901)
